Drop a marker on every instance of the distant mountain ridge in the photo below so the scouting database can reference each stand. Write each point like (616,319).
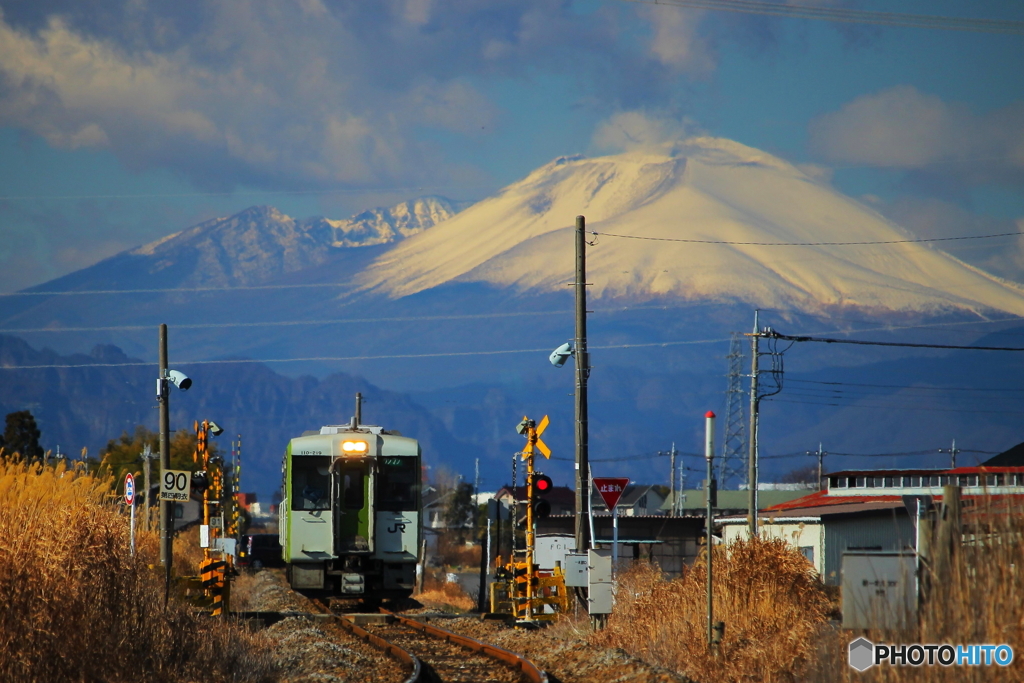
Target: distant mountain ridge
(261,243)
(107,392)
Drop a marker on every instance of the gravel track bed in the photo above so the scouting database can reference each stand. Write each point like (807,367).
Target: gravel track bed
(565,656)
(315,652)
(450,662)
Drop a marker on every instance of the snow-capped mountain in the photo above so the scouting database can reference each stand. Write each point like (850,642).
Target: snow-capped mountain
(383,226)
(261,243)
(702,189)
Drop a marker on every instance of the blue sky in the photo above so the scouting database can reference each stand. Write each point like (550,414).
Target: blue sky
(121,122)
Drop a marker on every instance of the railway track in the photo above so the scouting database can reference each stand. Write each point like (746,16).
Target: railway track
(434,655)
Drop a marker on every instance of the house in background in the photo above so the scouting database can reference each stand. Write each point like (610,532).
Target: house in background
(733,502)
(637,500)
(872,511)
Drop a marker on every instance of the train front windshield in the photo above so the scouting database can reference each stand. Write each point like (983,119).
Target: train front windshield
(398,484)
(311,483)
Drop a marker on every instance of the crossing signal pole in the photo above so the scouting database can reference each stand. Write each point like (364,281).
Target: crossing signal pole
(535,482)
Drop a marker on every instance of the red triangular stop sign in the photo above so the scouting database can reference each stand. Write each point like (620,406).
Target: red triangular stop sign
(611,489)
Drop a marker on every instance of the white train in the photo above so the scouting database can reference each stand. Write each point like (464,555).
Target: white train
(350,515)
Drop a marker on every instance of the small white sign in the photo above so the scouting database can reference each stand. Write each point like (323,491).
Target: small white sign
(225,545)
(204,536)
(217,522)
(174,485)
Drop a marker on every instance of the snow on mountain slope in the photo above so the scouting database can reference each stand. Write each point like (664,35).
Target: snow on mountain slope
(381,226)
(700,189)
(261,242)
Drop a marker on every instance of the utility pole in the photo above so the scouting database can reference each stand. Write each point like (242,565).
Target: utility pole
(582,375)
(752,452)
(672,479)
(147,456)
(476,498)
(821,460)
(952,454)
(359,409)
(709,499)
(166,511)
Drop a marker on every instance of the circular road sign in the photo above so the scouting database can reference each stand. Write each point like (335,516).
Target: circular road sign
(129,489)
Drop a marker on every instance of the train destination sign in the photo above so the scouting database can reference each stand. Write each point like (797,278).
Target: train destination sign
(611,489)
(174,485)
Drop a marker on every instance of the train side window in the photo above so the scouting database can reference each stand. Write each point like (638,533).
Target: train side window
(311,483)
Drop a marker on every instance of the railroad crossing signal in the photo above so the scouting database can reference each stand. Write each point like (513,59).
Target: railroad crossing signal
(542,483)
(532,432)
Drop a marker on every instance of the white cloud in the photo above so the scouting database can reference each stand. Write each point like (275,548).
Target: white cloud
(272,94)
(637,129)
(677,43)
(902,127)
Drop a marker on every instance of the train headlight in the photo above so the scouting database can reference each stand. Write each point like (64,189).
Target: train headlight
(354,447)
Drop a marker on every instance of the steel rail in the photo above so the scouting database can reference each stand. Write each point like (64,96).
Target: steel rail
(387,648)
(390,649)
(528,668)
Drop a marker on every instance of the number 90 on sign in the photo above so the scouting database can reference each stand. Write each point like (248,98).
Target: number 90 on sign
(174,485)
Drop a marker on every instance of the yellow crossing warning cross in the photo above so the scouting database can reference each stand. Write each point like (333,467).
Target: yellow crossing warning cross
(533,439)
(541,446)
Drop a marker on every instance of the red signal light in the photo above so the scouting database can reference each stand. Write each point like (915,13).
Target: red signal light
(542,483)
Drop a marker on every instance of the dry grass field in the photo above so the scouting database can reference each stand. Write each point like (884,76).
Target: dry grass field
(766,593)
(79,607)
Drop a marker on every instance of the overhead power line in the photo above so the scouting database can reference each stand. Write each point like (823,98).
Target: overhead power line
(392,356)
(904,386)
(851,16)
(903,408)
(808,244)
(772,334)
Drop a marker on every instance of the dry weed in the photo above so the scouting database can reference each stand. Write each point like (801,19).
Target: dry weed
(78,606)
(764,591)
(981,602)
(457,555)
(444,595)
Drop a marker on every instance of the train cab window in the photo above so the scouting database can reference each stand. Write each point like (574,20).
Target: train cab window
(311,483)
(397,484)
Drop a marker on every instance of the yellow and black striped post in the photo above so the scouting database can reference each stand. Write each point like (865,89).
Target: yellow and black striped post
(212,576)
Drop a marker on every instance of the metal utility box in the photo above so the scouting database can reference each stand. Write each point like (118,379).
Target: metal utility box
(576,570)
(599,571)
(551,549)
(879,590)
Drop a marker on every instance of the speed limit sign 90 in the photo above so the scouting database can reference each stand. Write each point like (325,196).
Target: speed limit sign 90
(174,485)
